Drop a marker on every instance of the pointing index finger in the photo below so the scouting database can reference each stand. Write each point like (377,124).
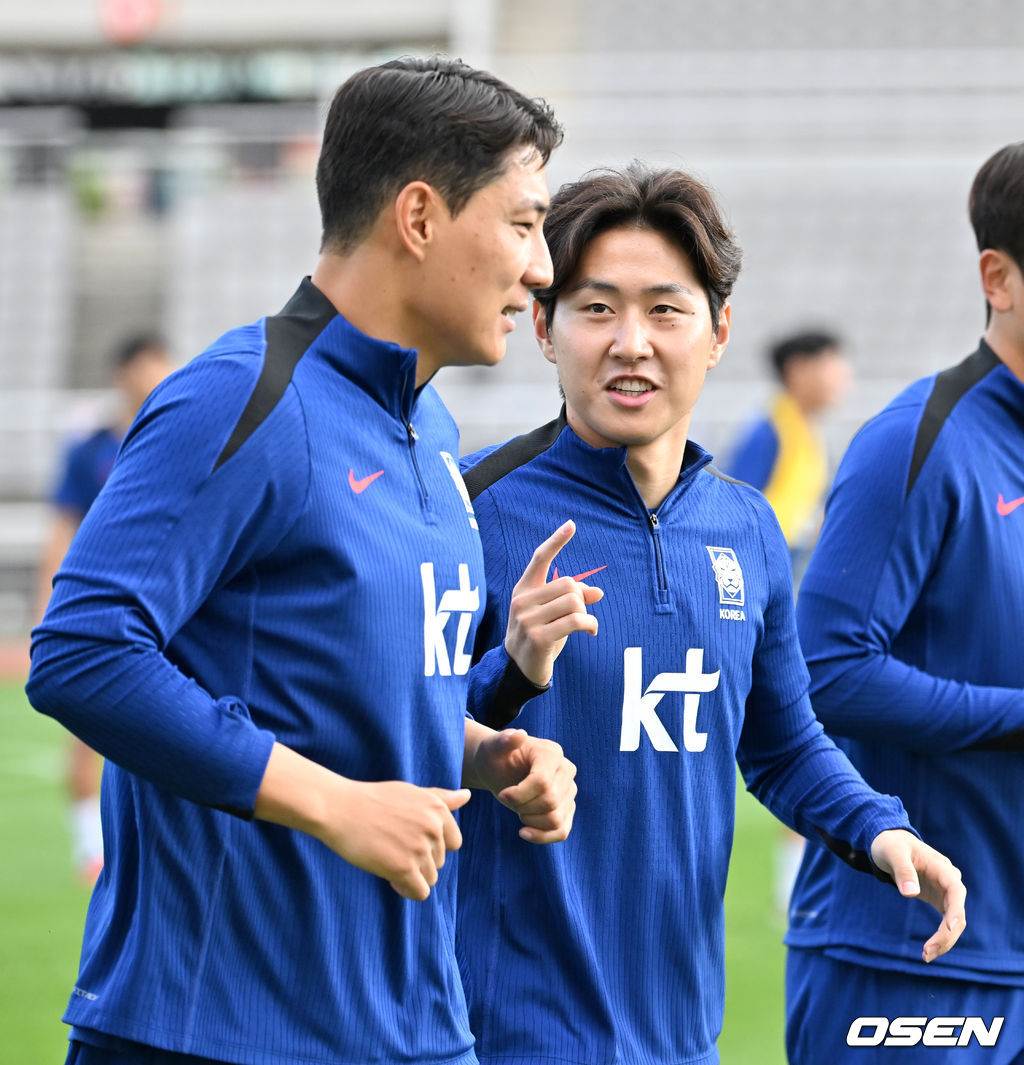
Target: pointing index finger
(536,571)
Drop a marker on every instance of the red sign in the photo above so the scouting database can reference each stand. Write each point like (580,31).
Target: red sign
(129,21)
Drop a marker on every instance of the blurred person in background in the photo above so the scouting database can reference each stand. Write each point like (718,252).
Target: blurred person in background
(265,622)
(610,947)
(910,619)
(141,362)
(783,454)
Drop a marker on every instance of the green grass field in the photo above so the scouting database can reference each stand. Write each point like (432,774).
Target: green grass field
(42,907)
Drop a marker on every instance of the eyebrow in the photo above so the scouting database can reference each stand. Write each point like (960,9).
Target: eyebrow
(533,205)
(668,288)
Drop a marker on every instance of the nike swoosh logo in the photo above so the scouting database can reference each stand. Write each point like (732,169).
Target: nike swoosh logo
(1005,508)
(363,483)
(579,576)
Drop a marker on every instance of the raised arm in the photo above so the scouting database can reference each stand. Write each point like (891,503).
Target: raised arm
(541,616)
(528,774)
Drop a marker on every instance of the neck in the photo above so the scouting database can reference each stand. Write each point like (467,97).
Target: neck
(655,467)
(802,403)
(362,288)
(1007,343)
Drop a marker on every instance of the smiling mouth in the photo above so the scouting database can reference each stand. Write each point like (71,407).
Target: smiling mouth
(631,388)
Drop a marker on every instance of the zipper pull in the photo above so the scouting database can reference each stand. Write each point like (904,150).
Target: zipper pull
(413,435)
(653,519)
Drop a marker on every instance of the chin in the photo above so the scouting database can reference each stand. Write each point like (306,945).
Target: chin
(478,357)
(634,440)
(491,357)
(627,433)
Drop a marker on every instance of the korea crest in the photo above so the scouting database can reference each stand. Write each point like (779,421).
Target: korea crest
(728,575)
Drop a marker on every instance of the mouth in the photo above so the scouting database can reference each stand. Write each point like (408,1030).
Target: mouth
(509,313)
(630,386)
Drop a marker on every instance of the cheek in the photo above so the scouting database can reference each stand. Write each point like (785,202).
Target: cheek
(505,257)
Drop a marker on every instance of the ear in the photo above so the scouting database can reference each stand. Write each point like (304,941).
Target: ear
(721,336)
(996,267)
(540,331)
(418,210)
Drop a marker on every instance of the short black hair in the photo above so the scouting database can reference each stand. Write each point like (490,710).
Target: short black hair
(670,202)
(131,347)
(419,119)
(996,203)
(808,344)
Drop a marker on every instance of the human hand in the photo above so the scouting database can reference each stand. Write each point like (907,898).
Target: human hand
(543,613)
(397,831)
(532,777)
(922,872)
(392,829)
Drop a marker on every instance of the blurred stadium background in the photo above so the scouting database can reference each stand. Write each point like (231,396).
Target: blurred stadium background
(156,169)
(156,161)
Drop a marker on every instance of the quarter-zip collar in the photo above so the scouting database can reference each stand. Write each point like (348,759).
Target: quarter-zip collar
(605,469)
(384,370)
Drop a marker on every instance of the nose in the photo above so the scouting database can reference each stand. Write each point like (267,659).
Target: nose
(630,341)
(539,271)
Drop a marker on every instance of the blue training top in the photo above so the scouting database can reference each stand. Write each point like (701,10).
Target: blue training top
(87,466)
(910,617)
(608,948)
(282,551)
(754,454)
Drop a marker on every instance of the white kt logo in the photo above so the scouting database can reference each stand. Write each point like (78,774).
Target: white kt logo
(464,601)
(639,704)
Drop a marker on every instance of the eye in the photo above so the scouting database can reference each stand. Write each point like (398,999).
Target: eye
(663,308)
(525,226)
(598,308)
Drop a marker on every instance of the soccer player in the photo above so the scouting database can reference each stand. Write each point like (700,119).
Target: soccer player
(265,621)
(141,362)
(909,616)
(609,948)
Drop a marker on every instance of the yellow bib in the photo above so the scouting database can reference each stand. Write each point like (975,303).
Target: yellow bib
(800,474)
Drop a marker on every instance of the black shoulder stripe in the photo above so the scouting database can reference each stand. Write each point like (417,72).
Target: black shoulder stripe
(511,456)
(716,472)
(289,335)
(950,387)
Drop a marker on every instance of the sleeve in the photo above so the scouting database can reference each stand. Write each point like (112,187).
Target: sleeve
(787,761)
(872,564)
(754,457)
(498,689)
(169,527)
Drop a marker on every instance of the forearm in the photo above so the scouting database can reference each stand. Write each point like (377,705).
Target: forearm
(810,785)
(862,692)
(885,700)
(298,793)
(128,702)
(476,733)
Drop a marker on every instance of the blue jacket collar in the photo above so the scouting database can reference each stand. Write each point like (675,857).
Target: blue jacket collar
(385,371)
(605,468)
